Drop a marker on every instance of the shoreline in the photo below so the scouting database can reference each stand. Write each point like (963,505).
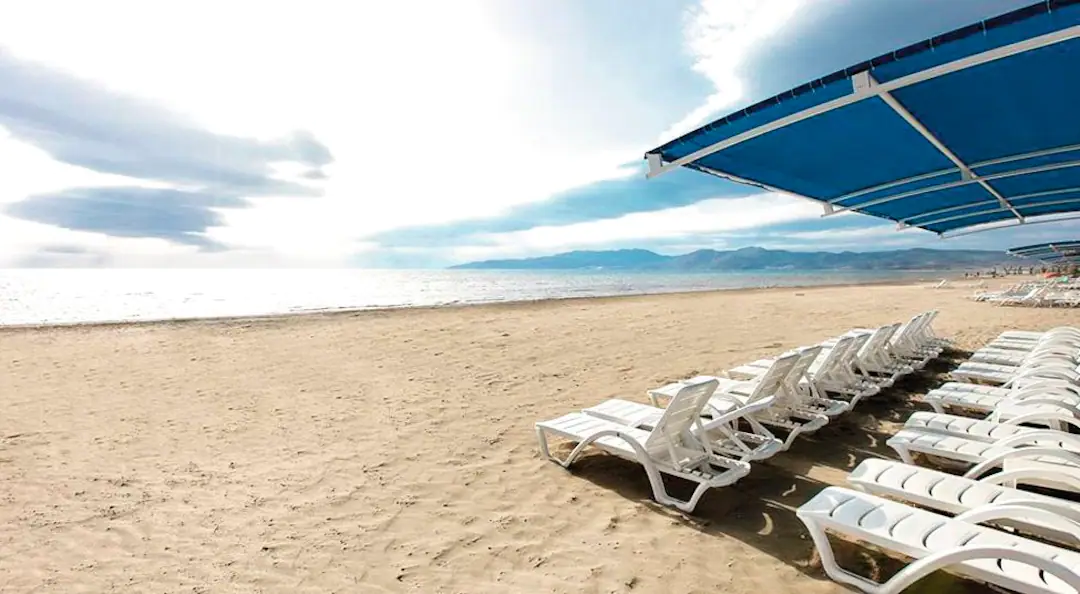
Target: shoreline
(361,310)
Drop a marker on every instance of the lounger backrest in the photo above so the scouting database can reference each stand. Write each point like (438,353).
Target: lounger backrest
(771,382)
(680,415)
(807,355)
(847,361)
(903,332)
(877,340)
(918,327)
(833,356)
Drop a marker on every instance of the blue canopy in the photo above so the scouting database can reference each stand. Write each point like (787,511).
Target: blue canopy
(979,127)
(1052,253)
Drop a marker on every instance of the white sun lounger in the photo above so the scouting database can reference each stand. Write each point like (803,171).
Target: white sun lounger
(1016,357)
(838,374)
(876,358)
(799,386)
(824,377)
(1057,337)
(668,449)
(908,345)
(870,362)
(781,415)
(1006,374)
(926,334)
(988,430)
(983,398)
(953,495)
(1022,335)
(721,431)
(936,542)
(801,395)
(1029,449)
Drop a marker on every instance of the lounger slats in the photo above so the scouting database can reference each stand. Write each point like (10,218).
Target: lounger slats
(964,426)
(918,533)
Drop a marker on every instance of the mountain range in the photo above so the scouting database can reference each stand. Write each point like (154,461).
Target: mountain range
(756,258)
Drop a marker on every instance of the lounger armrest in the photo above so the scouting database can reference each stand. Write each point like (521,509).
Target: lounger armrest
(1030,437)
(1009,477)
(1060,517)
(1042,386)
(1025,452)
(740,412)
(1069,416)
(942,559)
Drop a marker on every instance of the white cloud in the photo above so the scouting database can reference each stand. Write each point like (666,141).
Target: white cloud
(409,97)
(719,33)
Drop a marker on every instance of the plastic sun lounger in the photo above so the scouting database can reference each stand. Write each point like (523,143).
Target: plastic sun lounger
(1037,448)
(926,334)
(837,375)
(847,377)
(746,392)
(821,378)
(1056,337)
(667,449)
(721,432)
(1063,331)
(988,430)
(1047,368)
(1007,404)
(877,359)
(802,396)
(869,362)
(913,345)
(1017,357)
(938,542)
(907,346)
(951,494)
(786,413)
(988,398)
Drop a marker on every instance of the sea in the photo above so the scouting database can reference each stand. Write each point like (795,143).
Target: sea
(67,296)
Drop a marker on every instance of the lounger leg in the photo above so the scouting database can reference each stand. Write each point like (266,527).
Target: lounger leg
(791,438)
(541,439)
(692,503)
(829,564)
(903,452)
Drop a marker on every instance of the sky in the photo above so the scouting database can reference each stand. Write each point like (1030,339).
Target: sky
(413,134)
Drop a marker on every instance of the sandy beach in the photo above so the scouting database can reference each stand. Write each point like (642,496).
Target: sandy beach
(394,451)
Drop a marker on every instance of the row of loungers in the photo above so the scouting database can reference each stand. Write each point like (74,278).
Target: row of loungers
(1035,294)
(708,429)
(958,519)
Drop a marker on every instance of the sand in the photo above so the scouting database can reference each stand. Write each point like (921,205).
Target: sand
(394,451)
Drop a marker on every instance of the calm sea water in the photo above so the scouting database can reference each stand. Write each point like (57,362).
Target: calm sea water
(57,296)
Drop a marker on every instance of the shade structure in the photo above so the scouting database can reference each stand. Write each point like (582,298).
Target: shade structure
(1059,252)
(973,129)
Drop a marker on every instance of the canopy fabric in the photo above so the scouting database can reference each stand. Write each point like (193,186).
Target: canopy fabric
(1057,252)
(972,128)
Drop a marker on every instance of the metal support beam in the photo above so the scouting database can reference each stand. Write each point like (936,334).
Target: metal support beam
(993,210)
(904,81)
(965,172)
(749,182)
(975,166)
(1050,218)
(958,183)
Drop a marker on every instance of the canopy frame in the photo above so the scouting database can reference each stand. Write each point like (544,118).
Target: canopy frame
(1050,253)
(658,167)
(985,214)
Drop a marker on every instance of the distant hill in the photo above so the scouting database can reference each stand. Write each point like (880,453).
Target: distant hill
(756,258)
